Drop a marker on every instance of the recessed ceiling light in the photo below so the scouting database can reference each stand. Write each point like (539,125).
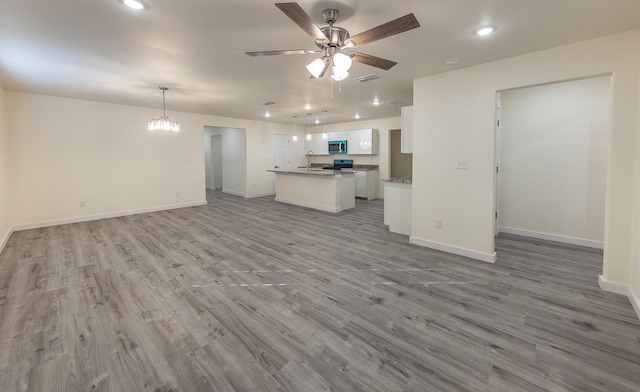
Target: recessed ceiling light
(135,4)
(267,114)
(357,116)
(485,30)
(317,121)
(451,61)
(376,102)
(307,106)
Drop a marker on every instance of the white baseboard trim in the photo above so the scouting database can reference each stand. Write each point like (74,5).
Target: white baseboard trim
(234,193)
(308,205)
(486,257)
(635,302)
(612,287)
(251,196)
(5,239)
(88,218)
(618,288)
(552,237)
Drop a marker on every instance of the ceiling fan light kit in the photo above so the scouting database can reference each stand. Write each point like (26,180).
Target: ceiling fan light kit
(316,67)
(331,39)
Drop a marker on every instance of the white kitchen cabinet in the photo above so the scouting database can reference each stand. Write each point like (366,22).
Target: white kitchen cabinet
(322,144)
(367,184)
(406,131)
(361,186)
(317,144)
(397,207)
(338,136)
(362,142)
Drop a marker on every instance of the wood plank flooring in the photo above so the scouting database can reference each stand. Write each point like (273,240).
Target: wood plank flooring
(254,295)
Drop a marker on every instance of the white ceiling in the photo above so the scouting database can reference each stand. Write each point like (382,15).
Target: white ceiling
(103,51)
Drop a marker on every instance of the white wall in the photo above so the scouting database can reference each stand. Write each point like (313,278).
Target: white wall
(454,119)
(5,222)
(260,157)
(382,159)
(65,150)
(553,159)
(234,166)
(208,162)
(634,285)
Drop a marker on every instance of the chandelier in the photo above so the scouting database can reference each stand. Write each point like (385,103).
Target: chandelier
(163,123)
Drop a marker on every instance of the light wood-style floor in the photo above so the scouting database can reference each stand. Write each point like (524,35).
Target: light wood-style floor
(254,295)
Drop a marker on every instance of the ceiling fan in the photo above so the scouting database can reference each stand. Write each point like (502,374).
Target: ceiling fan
(331,39)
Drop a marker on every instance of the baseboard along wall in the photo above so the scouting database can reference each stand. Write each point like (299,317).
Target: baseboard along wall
(552,237)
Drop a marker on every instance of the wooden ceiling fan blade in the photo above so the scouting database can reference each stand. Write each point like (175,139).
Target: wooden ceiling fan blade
(279,52)
(373,61)
(396,26)
(302,19)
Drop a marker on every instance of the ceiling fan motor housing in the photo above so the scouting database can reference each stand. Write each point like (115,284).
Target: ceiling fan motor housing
(335,35)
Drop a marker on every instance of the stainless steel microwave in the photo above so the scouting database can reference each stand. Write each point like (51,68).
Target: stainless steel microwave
(338,147)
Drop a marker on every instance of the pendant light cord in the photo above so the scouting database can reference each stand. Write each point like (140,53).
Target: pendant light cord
(164,106)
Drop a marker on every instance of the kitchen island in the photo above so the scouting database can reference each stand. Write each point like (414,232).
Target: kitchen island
(326,190)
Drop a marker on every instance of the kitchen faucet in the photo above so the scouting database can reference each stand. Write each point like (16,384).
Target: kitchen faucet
(310,157)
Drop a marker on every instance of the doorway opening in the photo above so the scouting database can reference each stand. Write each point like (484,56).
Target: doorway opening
(552,149)
(225,160)
(400,164)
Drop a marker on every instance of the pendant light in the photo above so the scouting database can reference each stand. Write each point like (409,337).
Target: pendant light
(324,124)
(295,136)
(163,123)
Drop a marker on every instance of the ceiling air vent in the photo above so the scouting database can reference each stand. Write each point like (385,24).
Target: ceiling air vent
(267,103)
(367,78)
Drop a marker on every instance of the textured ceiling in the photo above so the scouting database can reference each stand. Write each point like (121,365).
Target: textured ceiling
(100,50)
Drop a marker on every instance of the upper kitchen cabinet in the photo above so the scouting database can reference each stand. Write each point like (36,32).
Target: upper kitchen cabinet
(318,144)
(362,142)
(337,136)
(406,132)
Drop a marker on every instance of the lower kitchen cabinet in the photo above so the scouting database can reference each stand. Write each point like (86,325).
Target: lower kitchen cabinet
(367,184)
(397,207)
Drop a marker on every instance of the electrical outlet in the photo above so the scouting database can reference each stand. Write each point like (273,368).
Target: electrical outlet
(83,203)
(461,164)
(438,223)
